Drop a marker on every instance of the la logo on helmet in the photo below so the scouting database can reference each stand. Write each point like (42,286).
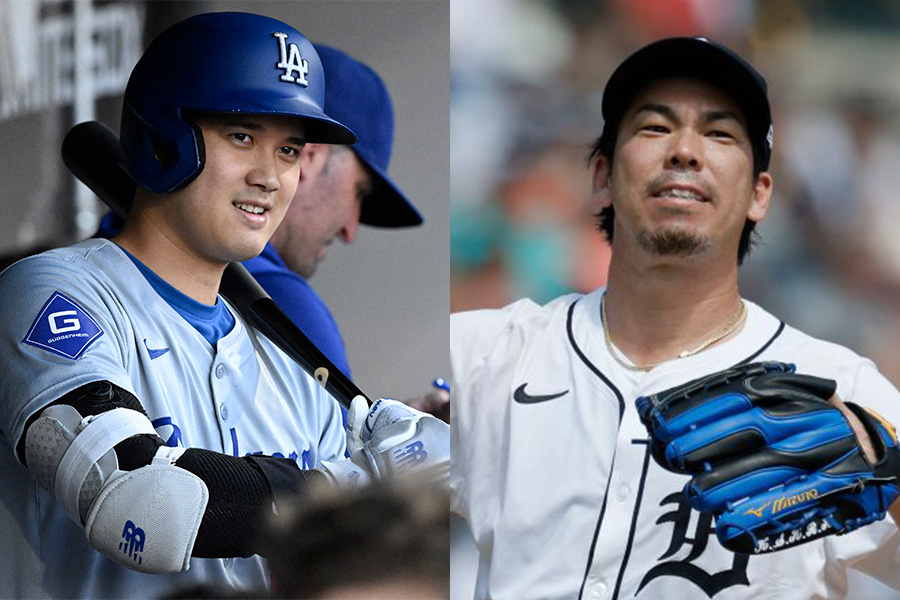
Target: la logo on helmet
(292,63)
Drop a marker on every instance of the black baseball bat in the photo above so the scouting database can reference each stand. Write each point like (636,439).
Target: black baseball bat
(91,151)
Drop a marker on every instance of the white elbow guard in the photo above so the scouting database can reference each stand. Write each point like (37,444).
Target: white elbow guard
(146,519)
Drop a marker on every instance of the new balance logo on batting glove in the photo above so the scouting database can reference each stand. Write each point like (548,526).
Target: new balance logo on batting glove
(391,439)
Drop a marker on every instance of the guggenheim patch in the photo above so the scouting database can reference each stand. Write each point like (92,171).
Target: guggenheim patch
(63,327)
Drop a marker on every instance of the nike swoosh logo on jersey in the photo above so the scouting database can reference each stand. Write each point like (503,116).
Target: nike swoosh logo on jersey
(154,352)
(522,397)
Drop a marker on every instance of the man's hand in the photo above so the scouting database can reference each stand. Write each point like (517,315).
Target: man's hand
(391,439)
(868,446)
(394,440)
(776,456)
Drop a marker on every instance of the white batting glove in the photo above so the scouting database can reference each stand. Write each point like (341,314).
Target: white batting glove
(344,472)
(356,423)
(395,440)
(391,439)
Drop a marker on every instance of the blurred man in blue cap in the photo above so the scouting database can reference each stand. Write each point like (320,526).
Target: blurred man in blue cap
(340,187)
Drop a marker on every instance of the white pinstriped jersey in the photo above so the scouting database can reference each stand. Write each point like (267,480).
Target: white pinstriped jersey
(243,396)
(552,472)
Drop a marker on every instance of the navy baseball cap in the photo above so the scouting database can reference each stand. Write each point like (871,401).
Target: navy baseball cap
(696,58)
(356,96)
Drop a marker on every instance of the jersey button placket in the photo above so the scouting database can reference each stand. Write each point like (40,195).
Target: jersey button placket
(599,590)
(221,386)
(615,529)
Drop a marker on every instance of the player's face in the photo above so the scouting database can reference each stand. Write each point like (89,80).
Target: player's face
(682,176)
(233,207)
(333,183)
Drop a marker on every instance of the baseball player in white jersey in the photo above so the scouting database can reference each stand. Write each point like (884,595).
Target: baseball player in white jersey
(552,466)
(147,428)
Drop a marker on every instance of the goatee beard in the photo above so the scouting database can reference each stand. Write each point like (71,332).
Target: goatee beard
(673,242)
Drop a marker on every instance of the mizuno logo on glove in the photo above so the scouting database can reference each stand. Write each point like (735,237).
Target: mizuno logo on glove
(771,456)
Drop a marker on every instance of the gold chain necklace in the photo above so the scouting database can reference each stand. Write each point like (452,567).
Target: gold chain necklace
(727,329)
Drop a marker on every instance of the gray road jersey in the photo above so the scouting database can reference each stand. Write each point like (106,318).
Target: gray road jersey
(80,314)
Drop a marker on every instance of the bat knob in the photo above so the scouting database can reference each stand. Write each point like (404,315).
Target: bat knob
(321,375)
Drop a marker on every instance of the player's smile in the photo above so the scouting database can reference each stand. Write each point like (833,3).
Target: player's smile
(681,192)
(255,212)
(679,196)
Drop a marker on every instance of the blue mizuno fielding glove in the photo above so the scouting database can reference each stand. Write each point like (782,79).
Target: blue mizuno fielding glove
(775,462)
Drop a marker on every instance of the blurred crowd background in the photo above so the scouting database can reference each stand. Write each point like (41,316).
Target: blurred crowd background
(526,85)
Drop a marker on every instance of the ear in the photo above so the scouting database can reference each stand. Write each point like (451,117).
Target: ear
(312,159)
(762,193)
(600,173)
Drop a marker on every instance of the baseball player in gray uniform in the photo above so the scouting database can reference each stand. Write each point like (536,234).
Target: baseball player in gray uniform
(553,468)
(146,428)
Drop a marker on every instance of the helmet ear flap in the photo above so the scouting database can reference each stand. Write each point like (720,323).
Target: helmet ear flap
(156,161)
(135,136)
(164,154)
(199,146)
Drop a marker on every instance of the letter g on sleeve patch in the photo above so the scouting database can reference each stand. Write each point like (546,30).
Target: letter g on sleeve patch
(63,327)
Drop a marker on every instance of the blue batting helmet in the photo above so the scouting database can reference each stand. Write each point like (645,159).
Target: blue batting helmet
(222,63)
